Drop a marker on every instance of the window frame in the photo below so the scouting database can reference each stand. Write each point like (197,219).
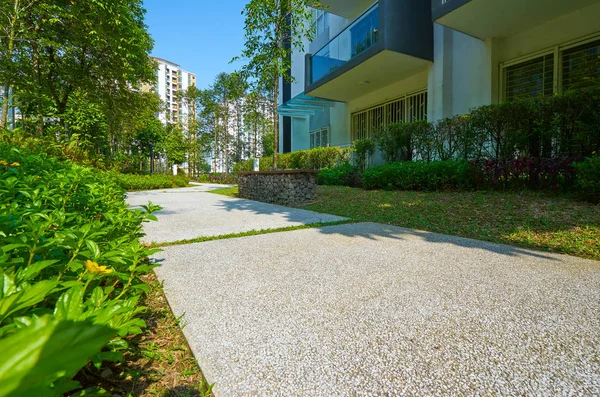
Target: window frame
(557,51)
(318,133)
(401,104)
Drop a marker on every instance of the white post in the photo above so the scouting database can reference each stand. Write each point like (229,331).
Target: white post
(175,169)
(256,165)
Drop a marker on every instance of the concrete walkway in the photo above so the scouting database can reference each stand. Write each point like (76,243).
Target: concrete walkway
(373,310)
(189,213)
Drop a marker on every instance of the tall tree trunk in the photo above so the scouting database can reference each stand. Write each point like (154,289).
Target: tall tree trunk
(275,122)
(255,140)
(9,53)
(216,154)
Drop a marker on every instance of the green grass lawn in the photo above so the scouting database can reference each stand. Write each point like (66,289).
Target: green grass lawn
(226,191)
(525,219)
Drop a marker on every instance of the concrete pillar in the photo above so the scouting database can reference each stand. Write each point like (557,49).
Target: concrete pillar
(174,169)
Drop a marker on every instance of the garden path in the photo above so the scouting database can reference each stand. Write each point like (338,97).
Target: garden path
(189,213)
(370,309)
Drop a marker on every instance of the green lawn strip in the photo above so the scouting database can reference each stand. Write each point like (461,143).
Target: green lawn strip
(226,191)
(249,233)
(526,219)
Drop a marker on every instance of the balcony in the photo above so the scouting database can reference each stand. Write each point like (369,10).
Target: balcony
(348,9)
(390,41)
(485,19)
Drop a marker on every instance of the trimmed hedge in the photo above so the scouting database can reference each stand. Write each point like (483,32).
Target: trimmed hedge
(218,178)
(531,173)
(133,182)
(344,175)
(314,159)
(418,175)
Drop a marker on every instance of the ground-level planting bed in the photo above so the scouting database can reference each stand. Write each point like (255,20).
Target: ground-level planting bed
(526,219)
(160,362)
(80,312)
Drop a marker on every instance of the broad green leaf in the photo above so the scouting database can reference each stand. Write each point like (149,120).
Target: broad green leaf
(99,358)
(94,249)
(27,297)
(70,304)
(34,269)
(48,350)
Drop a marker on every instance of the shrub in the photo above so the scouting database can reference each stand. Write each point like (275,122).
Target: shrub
(70,264)
(422,139)
(395,142)
(363,149)
(314,159)
(588,178)
(532,173)
(218,178)
(344,175)
(245,165)
(133,182)
(436,175)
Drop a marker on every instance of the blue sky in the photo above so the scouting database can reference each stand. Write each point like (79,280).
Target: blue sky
(200,35)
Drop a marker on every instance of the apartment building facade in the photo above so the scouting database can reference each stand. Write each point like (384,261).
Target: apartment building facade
(376,63)
(171,81)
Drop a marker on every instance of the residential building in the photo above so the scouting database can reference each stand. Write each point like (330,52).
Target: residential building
(371,64)
(171,82)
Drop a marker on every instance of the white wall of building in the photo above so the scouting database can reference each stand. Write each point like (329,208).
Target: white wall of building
(466,71)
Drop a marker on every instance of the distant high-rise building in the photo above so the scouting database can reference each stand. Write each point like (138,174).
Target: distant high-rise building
(171,83)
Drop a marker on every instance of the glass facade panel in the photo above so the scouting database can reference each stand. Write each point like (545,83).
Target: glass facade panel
(361,35)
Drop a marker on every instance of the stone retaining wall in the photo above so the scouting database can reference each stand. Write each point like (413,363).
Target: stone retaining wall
(278,187)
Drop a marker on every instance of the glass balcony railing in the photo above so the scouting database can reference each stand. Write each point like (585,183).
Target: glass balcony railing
(361,35)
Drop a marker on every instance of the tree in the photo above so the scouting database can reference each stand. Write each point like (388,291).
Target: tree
(13,14)
(272,29)
(256,122)
(62,47)
(267,144)
(175,145)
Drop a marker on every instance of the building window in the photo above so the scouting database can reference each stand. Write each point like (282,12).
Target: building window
(320,22)
(564,68)
(581,66)
(405,109)
(319,138)
(530,79)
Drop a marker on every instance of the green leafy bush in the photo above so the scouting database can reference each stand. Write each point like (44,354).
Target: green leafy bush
(314,159)
(133,182)
(363,150)
(588,178)
(344,175)
(70,267)
(395,142)
(218,177)
(418,175)
(244,166)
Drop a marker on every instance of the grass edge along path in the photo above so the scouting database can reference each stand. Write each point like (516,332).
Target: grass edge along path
(226,191)
(204,239)
(528,219)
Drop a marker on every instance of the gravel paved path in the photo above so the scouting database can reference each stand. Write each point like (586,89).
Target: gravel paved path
(373,310)
(189,213)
